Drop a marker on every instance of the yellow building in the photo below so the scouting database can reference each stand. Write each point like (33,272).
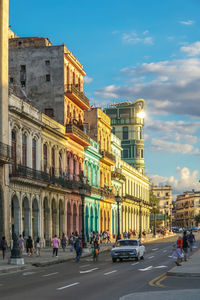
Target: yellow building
(135,208)
(99,128)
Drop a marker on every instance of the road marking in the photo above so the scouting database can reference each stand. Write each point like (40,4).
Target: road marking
(110,272)
(67,286)
(151,257)
(135,264)
(160,267)
(158,283)
(50,274)
(154,249)
(88,271)
(146,269)
(153,281)
(28,273)
(164,250)
(170,256)
(84,266)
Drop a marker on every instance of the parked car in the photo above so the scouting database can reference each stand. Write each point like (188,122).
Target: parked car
(195,229)
(177,229)
(187,228)
(131,248)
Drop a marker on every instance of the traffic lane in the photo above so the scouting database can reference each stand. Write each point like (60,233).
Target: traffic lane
(124,272)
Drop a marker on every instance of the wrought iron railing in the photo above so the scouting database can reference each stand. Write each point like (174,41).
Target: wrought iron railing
(74,89)
(23,171)
(109,155)
(72,128)
(5,151)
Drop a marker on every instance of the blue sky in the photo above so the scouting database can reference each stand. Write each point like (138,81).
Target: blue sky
(135,49)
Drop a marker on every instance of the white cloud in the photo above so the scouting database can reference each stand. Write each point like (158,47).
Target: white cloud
(192,50)
(134,38)
(186,180)
(87,79)
(188,23)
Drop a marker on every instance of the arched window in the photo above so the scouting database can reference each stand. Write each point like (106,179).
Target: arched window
(74,167)
(45,157)
(24,150)
(34,154)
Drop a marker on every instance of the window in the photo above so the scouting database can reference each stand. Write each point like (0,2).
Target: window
(167,194)
(11,80)
(24,150)
(49,112)
(142,153)
(60,163)
(23,68)
(74,166)
(48,77)
(113,130)
(45,157)
(23,83)
(34,154)
(19,43)
(124,113)
(125,153)
(14,157)
(47,62)
(53,161)
(125,133)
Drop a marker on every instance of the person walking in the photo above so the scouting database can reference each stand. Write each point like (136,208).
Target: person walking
(191,240)
(55,242)
(78,249)
(178,252)
(20,242)
(95,250)
(185,245)
(29,246)
(37,246)
(3,246)
(64,242)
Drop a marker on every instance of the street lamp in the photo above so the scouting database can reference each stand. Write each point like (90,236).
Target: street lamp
(118,200)
(82,191)
(171,207)
(140,220)
(154,227)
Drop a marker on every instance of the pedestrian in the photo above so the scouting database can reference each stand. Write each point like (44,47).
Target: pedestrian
(64,241)
(178,255)
(55,242)
(29,246)
(71,239)
(95,250)
(125,235)
(20,243)
(91,236)
(37,246)
(3,246)
(78,249)
(191,240)
(108,236)
(129,235)
(185,245)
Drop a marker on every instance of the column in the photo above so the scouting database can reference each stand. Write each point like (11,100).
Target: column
(39,154)
(29,151)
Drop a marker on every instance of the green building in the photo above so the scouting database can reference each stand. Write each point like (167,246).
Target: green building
(127,120)
(91,172)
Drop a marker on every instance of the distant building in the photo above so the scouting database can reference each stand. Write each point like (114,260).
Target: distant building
(187,207)
(164,194)
(127,119)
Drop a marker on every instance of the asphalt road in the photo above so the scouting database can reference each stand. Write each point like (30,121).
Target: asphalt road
(90,280)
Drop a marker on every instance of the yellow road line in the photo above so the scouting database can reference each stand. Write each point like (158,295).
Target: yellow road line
(152,282)
(158,283)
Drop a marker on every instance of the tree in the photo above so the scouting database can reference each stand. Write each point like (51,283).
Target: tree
(197,219)
(154,202)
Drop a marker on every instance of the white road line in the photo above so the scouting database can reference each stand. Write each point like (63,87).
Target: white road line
(108,273)
(135,264)
(88,271)
(164,250)
(84,266)
(28,273)
(170,256)
(151,257)
(146,269)
(160,267)
(67,286)
(154,249)
(50,274)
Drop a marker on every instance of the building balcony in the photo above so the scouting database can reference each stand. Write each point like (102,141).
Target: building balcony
(72,92)
(117,174)
(108,157)
(28,173)
(5,154)
(97,191)
(77,134)
(133,198)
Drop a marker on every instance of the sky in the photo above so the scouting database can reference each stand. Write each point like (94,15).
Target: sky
(135,49)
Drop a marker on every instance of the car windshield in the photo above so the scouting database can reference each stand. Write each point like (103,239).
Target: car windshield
(127,243)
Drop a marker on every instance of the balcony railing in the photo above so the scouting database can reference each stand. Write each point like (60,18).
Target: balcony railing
(5,153)
(75,130)
(22,171)
(109,155)
(118,174)
(74,89)
(97,191)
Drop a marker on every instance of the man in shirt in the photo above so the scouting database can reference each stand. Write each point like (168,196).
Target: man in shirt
(55,242)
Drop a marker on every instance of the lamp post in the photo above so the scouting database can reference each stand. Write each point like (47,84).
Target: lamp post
(171,207)
(82,191)
(154,227)
(118,200)
(140,220)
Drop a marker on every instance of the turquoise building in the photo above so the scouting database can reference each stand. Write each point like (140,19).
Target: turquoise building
(91,172)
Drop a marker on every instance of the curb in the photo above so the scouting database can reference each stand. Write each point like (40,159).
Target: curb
(13,269)
(59,261)
(177,274)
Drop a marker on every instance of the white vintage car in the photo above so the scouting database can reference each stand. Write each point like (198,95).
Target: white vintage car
(130,248)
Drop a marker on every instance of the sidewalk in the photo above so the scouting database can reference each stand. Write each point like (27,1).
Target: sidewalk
(190,268)
(46,258)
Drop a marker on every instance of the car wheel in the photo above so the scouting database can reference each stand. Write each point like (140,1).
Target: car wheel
(138,257)
(142,257)
(114,259)
(121,259)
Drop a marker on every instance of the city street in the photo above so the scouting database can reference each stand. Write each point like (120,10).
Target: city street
(101,280)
